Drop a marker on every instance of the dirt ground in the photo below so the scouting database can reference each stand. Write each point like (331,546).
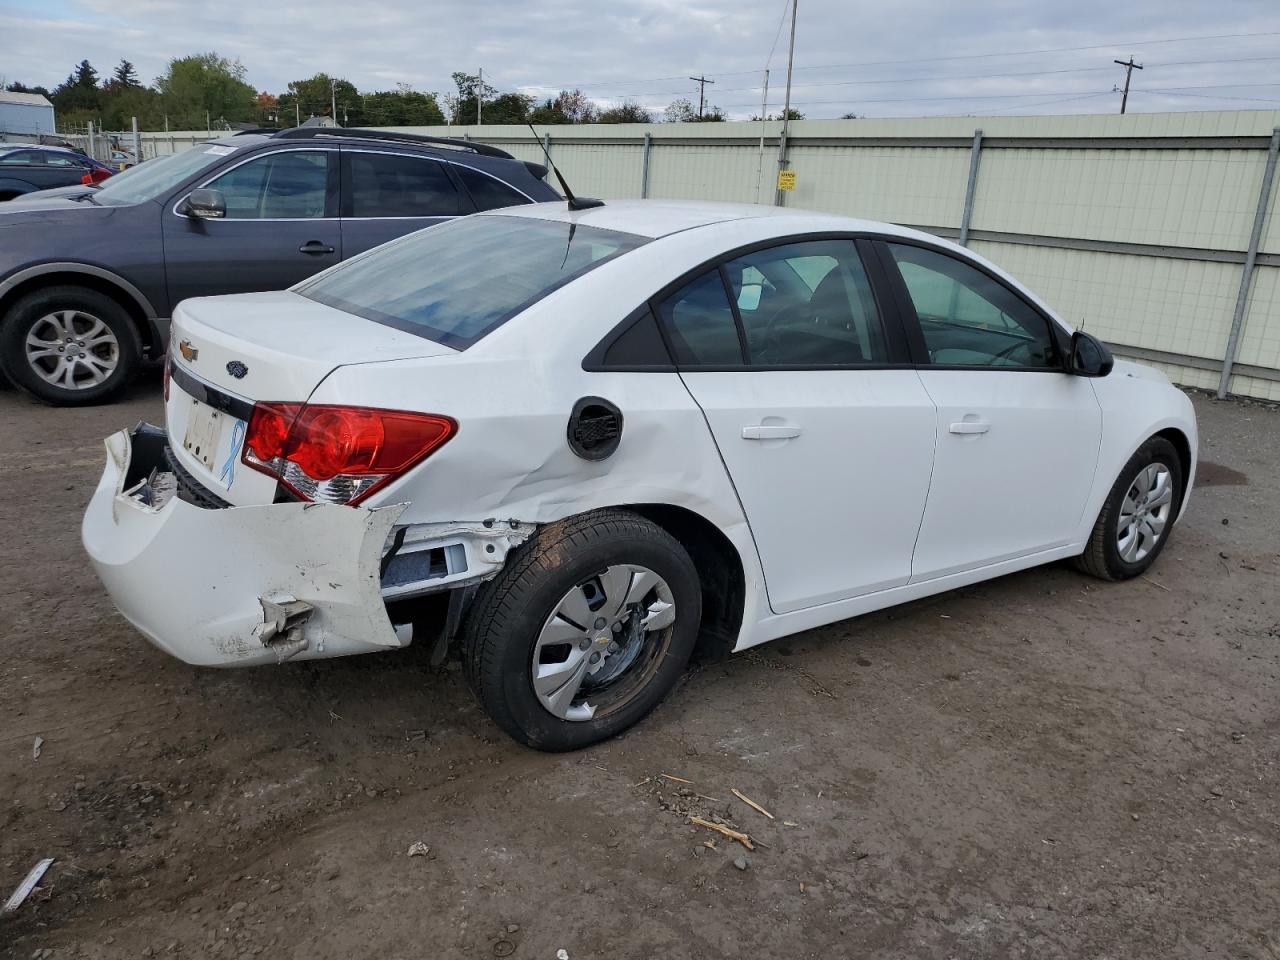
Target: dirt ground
(1041,766)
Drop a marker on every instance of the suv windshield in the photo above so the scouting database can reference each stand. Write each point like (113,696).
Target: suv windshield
(458,281)
(149,180)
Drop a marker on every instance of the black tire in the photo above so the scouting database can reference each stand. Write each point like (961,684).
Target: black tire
(509,611)
(1102,557)
(24,316)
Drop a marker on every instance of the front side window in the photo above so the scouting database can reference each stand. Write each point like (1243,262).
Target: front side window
(391,185)
(290,185)
(969,318)
(807,304)
(455,282)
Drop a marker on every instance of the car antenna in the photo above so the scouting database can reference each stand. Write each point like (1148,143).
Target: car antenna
(575,203)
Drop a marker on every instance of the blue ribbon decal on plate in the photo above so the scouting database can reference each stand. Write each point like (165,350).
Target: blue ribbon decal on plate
(228,473)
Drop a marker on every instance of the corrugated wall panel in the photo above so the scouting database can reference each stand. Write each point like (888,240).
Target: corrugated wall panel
(923,185)
(1189,198)
(1179,306)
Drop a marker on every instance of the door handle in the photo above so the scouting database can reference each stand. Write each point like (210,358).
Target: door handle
(315,247)
(970,427)
(769,431)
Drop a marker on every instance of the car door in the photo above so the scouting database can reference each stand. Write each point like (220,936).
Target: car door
(281,227)
(1017,435)
(818,414)
(387,194)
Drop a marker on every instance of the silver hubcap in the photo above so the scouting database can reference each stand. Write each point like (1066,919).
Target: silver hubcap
(72,349)
(602,631)
(1144,512)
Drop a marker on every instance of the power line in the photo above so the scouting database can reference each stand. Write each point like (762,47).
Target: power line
(971,56)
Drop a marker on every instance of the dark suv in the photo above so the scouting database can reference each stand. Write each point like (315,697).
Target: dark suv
(89,277)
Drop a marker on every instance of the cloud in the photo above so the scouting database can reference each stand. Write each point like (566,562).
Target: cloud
(910,58)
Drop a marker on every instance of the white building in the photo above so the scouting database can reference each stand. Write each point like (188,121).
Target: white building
(25,113)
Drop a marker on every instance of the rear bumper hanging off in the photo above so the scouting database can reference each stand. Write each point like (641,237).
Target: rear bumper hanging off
(241,585)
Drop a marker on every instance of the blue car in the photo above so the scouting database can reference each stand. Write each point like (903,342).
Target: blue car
(28,168)
(89,276)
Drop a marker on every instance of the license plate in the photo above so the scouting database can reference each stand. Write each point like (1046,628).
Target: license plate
(204,432)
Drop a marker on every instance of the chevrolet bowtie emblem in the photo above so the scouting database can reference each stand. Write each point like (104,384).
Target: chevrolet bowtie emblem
(189,353)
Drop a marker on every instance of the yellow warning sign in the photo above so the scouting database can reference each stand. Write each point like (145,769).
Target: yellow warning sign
(786,179)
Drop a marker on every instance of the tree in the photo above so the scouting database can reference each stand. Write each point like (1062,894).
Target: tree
(850,116)
(401,108)
(205,85)
(792,114)
(462,106)
(316,97)
(627,112)
(17,87)
(266,110)
(125,75)
(569,106)
(77,98)
(681,111)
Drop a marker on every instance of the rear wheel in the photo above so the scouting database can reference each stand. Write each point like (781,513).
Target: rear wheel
(1138,514)
(69,345)
(584,632)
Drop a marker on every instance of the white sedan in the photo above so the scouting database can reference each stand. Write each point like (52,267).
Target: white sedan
(581,444)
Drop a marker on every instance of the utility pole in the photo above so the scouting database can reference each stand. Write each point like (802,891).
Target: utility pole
(786,109)
(1129,67)
(333,101)
(702,92)
(479,97)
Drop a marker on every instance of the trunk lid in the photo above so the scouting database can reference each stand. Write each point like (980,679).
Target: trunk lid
(227,353)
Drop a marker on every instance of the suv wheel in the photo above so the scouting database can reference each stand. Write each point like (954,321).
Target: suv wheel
(585,631)
(69,345)
(1138,514)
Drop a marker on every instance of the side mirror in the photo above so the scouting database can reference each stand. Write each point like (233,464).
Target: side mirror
(204,204)
(1089,356)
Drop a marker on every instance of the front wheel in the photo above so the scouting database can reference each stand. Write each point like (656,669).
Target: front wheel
(585,631)
(1138,514)
(69,345)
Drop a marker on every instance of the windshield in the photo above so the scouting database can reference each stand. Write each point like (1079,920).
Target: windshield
(456,282)
(153,178)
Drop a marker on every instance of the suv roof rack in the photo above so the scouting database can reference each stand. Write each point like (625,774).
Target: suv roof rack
(307,133)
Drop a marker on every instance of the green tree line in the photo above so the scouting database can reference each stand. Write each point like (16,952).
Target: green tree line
(207,90)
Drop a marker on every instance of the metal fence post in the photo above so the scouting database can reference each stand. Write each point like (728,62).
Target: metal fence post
(89,145)
(1246,274)
(644,166)
(975,155)
(137,141)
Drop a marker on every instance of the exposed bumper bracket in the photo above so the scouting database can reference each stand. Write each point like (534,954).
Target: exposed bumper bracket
(283,619)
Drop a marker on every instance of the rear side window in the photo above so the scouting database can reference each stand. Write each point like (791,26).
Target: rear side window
(393,185)
(700,325)
(488,192)
(455,282)
(807,304)
(25,158)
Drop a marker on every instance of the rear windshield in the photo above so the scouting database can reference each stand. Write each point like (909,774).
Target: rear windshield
(458,281)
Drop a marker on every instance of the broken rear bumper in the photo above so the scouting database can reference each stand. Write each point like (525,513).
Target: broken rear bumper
(241,585)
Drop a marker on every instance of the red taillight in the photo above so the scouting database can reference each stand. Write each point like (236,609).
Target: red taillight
(339,454)
(95,175)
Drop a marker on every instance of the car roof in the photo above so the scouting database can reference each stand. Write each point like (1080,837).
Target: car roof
(660,218)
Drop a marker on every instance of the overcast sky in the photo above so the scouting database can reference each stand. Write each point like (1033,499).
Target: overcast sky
(946,54)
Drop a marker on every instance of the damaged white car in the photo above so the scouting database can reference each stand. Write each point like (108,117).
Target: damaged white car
(583,442)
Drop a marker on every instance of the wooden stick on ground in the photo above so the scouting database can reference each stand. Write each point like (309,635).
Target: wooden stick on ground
(751,803)
(742,838)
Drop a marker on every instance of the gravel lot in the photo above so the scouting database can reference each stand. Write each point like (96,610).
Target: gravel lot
(1041,766)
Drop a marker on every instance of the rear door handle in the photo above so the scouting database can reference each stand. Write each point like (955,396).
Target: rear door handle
(762,431)
(970,426)
(315,247)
